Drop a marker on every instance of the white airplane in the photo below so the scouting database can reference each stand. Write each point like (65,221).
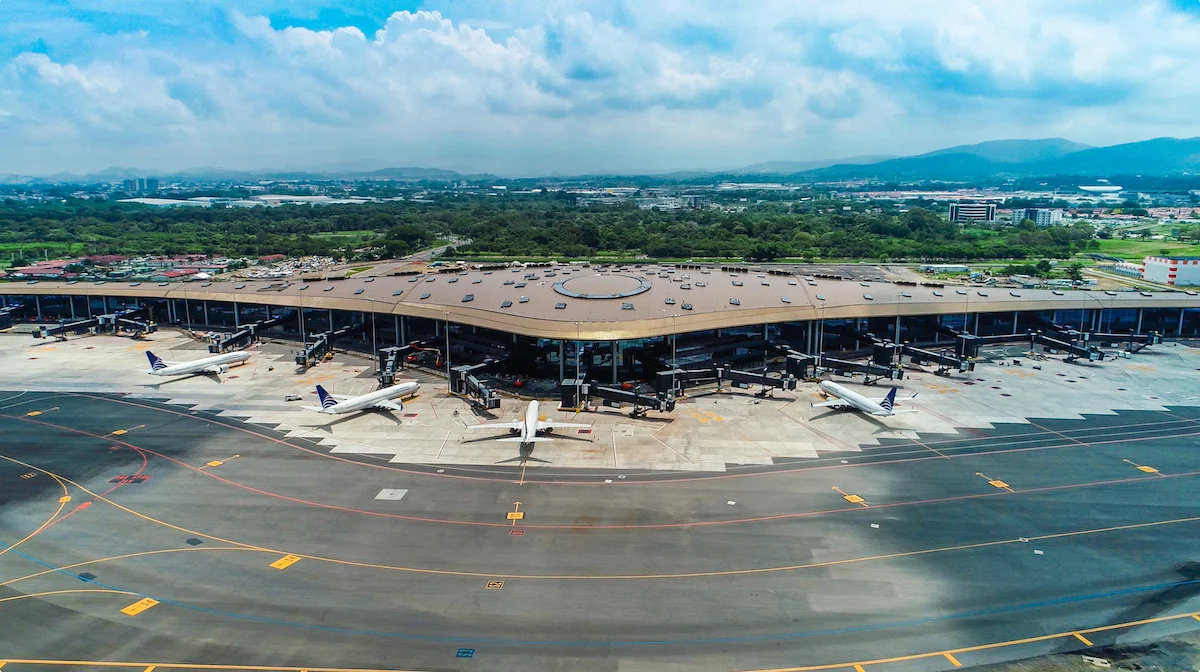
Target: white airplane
(377,400)
(530,427)
(211,366)
(848,399)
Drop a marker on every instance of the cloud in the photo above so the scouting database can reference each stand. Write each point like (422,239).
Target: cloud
(574,86)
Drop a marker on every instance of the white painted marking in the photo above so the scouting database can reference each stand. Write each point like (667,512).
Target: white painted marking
(875,525)
(608,480)
(1037,552)
(731,502)
(441,471)
(390,494)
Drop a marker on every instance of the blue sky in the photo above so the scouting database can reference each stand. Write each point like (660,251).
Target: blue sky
(528,87)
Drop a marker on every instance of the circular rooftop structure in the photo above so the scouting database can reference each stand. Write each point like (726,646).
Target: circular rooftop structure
(606,286)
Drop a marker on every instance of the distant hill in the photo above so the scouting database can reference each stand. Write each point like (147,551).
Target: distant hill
(1013,151)
(786,167)
(1026,158)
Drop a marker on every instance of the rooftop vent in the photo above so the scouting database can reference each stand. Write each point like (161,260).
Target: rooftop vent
(626,306)
(792,282)
(416,279)
(425,296)
(785,299)
(523,299)
(369,280)
(1014,294)
(865,284)
(241,286)
(467,298)
(734,302)
(765,283)
(303,287)
(937,293)
(738,283)
(686,306)
(207,284)
(398,292)
(161,284)
(906,295)
(358,291)
(560,306)
(510,282)
(327,288)
(1110,293)
(820,297)
(982,293)
(476,281)
(452,280)
(506,304)
(701,283)
(868,297)
(520,285)
(1056,292)
(669,301)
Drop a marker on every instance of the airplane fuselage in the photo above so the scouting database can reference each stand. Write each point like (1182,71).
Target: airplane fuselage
(369,400)
(854,399)
(215,364)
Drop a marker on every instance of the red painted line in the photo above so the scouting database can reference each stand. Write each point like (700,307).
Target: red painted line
(706,523)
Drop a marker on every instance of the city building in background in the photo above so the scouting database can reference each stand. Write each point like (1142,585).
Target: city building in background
(967,213)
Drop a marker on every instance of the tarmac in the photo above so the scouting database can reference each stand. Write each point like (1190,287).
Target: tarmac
(212,523)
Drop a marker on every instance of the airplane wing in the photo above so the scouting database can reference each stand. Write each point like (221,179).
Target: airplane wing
(547,424)
(833,403)
(500,425)
(389,406)
(212,369)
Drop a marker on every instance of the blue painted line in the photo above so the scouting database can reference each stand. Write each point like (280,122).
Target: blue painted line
(632,643)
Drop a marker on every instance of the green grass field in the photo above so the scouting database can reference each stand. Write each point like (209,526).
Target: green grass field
(1134,250)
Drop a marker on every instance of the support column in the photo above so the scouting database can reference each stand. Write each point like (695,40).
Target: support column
(71,299)
(237,319)
(1179,331)
(331,327)
(808,337)
(206,314)
(37,301)
(88,300)
(1016,317)
(1139,327)
(396,330)
(187,310)
(614,362)
(976,331)
(897,330)
(562,371)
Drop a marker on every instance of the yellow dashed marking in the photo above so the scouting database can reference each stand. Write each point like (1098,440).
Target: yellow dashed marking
(495,585)
(64,499)
(997,483)
(953,660)
(1083,639)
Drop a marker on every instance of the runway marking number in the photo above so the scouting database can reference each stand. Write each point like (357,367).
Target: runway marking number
(495,585)
(139,606)
(286,561)
(517,533)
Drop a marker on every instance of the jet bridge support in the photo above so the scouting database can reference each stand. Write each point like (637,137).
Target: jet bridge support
(128,319)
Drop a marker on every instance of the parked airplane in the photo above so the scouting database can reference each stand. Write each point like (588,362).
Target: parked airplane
(848,399)
(211,366)
(377,400)
(530,427)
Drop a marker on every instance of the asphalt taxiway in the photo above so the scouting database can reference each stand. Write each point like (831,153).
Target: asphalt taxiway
(144,533)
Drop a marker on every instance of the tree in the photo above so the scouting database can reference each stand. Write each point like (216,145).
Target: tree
(1043,268)
(1075,272)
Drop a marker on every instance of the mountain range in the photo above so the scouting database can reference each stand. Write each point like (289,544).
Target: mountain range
(996,159)
(1019,158)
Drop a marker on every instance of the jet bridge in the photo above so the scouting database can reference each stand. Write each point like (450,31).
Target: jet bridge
(576,393)
(322,345)
(1132,342)
(121,320)
(871,371)
(1075,351)
(945,360)
(248,333)
(463,382)
(677,381)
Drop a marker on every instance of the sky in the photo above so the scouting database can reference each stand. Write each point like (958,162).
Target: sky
(532,87)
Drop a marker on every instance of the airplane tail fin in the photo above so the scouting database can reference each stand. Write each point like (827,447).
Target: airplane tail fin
(889,402)
(156,362)
(327,400)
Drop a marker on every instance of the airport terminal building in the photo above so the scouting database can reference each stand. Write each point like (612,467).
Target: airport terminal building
(611,323)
